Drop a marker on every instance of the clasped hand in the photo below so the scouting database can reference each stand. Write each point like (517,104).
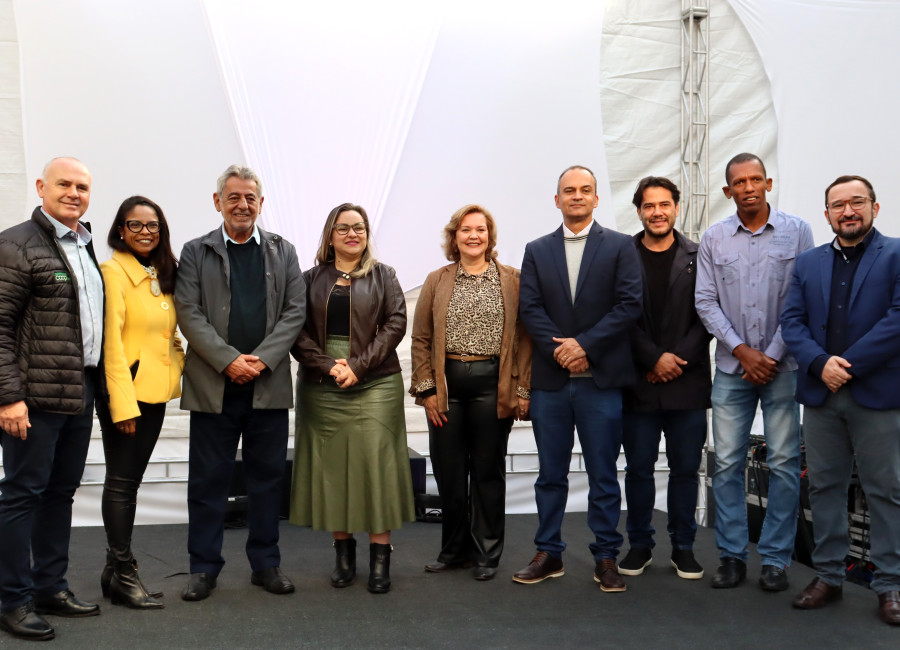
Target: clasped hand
(245,368)
(343,375)
(570,355)
(758,368)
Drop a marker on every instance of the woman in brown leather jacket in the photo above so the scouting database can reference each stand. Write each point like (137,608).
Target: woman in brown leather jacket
(471,371)
(351,466)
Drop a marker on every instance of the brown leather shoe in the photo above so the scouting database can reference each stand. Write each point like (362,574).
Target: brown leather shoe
(542,566)
(889,607)
(818,593)
(607,574)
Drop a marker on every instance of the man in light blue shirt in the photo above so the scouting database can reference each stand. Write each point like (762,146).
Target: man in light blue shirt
(51,337)
(744,270)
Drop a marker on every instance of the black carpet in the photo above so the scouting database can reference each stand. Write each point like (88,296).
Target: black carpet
(452,610)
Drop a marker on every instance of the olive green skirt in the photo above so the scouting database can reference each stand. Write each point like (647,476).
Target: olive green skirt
(351,464)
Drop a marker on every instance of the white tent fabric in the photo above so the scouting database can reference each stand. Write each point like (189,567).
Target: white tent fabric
(413,108)
(641,98)
(831,68)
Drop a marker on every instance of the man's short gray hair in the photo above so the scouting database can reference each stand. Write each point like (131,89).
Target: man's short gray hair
(244,173)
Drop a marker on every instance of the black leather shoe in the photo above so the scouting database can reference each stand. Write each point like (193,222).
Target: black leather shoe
(485,572)
(272,580)
(773,578)
(441,567)
(64,604)
(198,587)
(23,622)
(731,573)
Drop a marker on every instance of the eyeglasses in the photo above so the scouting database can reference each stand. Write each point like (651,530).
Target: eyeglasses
(856,204)
(137,226)
(342,228)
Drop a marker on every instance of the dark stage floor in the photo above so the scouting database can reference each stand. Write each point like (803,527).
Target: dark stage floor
(452,610)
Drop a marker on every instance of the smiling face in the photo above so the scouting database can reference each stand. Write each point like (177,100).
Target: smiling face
(851,226)
(144,242)
(349,246)
(748,185)
(240,205)
(576,197)
(65,190)
(472,238)
(658,212)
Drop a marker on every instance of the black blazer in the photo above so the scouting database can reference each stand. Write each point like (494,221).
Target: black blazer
(607,303)
(681,333)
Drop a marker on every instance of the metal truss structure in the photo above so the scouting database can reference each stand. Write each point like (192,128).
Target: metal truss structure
(694,118)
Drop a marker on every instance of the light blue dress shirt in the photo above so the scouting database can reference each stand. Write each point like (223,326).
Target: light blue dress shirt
(254,235)
(89,284)
(743,279)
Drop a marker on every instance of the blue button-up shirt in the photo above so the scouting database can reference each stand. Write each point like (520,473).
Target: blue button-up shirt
(89,283)
(742,281)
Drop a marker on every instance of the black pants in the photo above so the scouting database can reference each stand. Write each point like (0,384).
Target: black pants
(126,460)
(468,456)
(263,434)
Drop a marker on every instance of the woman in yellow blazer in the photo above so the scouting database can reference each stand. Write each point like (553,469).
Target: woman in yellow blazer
(471,363)
(143,361)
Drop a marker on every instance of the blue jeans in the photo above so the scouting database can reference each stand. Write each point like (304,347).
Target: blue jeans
(597,415)
(685,436)
(42,473)
(734,402)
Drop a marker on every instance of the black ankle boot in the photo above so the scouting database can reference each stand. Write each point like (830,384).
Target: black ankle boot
(125,588)
(380,568)
(344,573)
(107,573)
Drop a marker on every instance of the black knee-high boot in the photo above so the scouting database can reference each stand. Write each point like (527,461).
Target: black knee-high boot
(118,506)
(380,568)
(344,573)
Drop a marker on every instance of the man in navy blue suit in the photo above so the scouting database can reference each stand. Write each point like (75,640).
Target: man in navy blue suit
(842,323)
(580,295)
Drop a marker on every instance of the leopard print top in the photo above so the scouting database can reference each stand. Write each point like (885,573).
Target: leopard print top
(475,313)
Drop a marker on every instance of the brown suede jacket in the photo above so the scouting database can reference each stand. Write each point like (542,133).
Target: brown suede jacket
(429,338)
(377,324)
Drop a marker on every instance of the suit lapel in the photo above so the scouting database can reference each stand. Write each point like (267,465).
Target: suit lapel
(873,250)
(558,251)
(591,246)
(826,266)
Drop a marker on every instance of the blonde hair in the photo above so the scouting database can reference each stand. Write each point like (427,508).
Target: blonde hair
(451,249)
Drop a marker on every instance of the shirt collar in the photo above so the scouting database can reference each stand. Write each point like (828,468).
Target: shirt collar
(776,221)
(490,273)
(584,231)
(857,250)
(254,236)
(82,234)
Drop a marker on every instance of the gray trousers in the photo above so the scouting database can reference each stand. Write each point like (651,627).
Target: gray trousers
(835,433)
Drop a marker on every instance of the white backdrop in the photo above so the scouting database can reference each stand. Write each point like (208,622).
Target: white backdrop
(415,108)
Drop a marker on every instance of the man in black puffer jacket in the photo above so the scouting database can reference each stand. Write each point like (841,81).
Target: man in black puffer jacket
(51,337)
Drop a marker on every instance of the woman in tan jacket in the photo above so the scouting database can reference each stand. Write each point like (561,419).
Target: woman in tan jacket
(471,371)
